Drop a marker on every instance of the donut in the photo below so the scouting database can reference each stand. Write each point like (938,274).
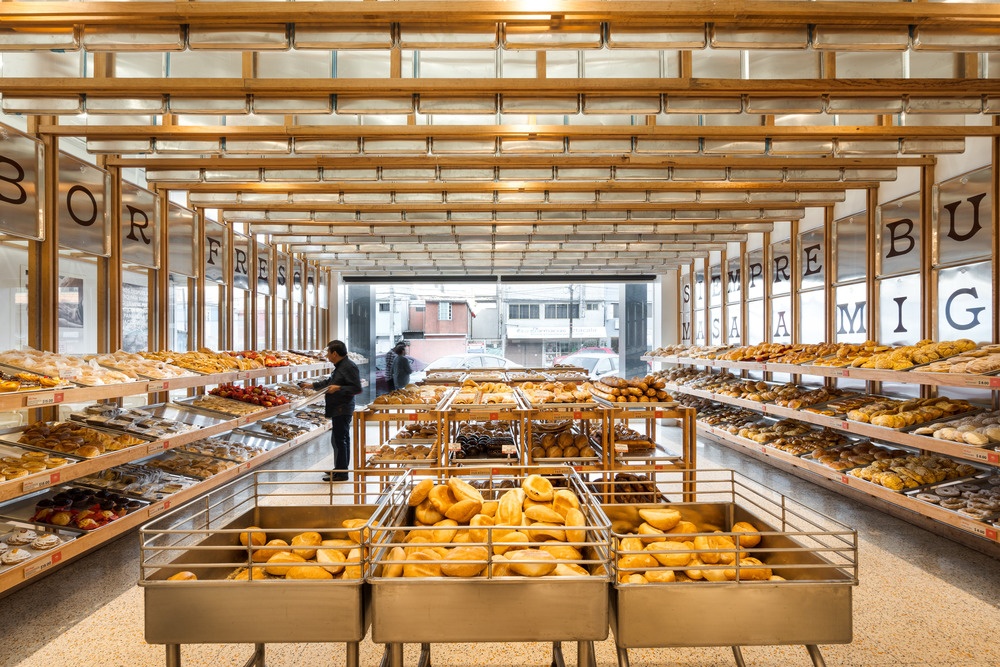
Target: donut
(929,497)
(952,504)
(968,487)
(947,491)
(974,513)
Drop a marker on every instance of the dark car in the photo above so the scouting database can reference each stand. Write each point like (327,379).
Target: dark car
(381,383)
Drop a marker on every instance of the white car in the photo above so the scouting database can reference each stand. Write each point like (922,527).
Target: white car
(597,364)
(468,362)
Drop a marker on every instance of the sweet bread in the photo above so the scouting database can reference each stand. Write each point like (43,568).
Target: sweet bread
(531,562)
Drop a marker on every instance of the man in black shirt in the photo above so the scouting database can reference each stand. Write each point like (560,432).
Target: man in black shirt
(341,387)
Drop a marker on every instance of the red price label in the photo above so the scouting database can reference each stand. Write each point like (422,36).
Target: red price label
(763,366)
(991,533)
(577,414)
(763,449)
(658,414)
(763,409)
(845,479)
(994,383)
(412,416)
(993,457)
(846,425)
(659,466)
(494,416)
(57,397)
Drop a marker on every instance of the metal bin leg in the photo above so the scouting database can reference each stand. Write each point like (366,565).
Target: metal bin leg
(353,654)
(557,655)
(622,656)
(257,659)
(816,656)
(585,656)
(738,656)
(393,656)
(425,656)
(173,655)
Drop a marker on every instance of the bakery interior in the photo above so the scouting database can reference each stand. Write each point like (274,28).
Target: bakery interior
(795,202)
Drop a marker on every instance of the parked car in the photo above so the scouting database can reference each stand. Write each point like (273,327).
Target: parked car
(597,364)
(466,362)
(586,348)
(382,384)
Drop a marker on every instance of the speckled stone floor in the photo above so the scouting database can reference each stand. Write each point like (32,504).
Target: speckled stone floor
(922,601)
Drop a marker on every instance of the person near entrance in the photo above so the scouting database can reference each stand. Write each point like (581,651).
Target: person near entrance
(341,387)
(390,359)
(401,367)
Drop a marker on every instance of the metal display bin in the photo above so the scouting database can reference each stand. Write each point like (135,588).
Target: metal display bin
(814,556)
(575,608)
(203,537)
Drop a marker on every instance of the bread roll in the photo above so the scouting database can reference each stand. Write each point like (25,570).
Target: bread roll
(419,492)
(332,560)
(462,490)
(749,535)
(660,576)
(509,510)
(490,508)
(500,566)
(631,544)
(542,563)
(426,514)
(575,519)
(341,545)
(445,531)
(669,554)
(650,534)
(478,555)
(748,571)
(308,539)
(461,537)
(441,498)
(570,570)
(394,563)
(417,565)
(694,569)
(661,518)
(272,547)
(184,575)
(513,540)
(357,529)
(480,531)
(562,551)
(279,563)
(253,535)
(543,513)
(682,531)
(636,578)
(307,572)
(639,561)
(537,488)
(353,568)
(463,510)
(542,532)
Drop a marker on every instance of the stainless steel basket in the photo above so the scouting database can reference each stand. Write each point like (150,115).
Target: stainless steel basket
(814,556)
(203,537)
(489,608)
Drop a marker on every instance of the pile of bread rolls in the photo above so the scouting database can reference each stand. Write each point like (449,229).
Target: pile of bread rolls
(648,389)
(306,556)
(532,531)
(665,548)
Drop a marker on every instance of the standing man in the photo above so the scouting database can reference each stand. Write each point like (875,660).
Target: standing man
(390,359)
(341,387)
(401,367)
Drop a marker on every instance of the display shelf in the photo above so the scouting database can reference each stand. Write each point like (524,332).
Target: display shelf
(30,569)
(887,497)
(388,418)
(37,399)
(460,414)
(586,416)
(649,416)
(863,487)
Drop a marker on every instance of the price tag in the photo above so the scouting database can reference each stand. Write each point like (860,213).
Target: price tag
(508,449)
(763,449)
(845,479)
(41,483)
(371,449)
(69,374)
(162,385)
(577,414)
(454,447)
(846,425)
(44,399)
(763,366)
(621,448)
(658,414)
(659,466)
(158,508)
(846,373)
(494,416)
(993,457)
(243,375)
(42,565)
(157,447)
(763,409)
(578,468)
(412,416)
(991,533)
(975,527)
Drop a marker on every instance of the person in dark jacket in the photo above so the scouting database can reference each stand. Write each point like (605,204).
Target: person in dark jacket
(401,368)
(390,359)
(341,387)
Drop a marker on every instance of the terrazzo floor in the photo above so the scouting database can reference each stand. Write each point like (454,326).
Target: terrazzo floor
(922,601)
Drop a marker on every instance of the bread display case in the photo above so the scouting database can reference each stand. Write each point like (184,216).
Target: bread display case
(929,429)
(722,541)
(126,440)
(271,557)
(450,549)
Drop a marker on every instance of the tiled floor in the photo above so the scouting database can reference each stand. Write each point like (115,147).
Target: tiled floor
(922,600)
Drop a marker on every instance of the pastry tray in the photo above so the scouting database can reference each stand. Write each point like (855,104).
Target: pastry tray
(22,509)
(7,527)
(11,438)
(636,405)
(184,415)
(189,404)
(13,370)
(956,487)
(155,490)
(16,449)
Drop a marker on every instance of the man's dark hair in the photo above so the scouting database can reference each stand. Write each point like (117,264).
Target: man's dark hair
(400,347)
(338,347)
